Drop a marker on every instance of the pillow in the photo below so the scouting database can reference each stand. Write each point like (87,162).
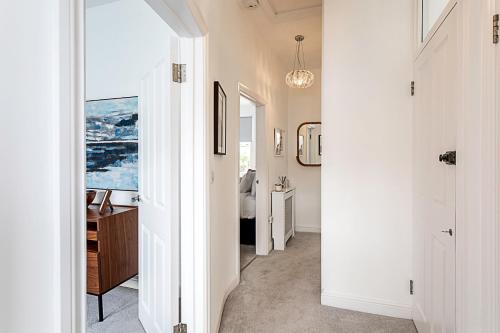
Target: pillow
(254,186)
(246,181)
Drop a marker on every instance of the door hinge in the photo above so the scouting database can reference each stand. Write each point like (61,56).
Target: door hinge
(412,88)
(179,73)
(496,25)
(411,287)
(180,328)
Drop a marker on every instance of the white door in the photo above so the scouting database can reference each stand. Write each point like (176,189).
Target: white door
(436,103)
(159,117)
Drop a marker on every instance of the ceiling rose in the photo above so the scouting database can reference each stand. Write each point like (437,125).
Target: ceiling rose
(299,77)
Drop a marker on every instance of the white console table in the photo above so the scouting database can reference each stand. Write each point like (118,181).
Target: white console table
(283,212)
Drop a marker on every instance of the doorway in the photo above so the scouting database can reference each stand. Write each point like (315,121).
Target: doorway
(254,152)
(133,150)
(168,108)
(248,181)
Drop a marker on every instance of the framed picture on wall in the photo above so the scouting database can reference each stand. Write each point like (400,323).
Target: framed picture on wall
(220,115)
(279,142)
(320,147)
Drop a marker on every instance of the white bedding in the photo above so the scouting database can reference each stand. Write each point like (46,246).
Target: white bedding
(247,206)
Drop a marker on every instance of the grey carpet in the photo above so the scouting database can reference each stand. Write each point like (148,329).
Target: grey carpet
(247,255)
(281,293)
(120,312)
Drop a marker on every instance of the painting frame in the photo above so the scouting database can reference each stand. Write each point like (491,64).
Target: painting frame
(220,120)
(112,143)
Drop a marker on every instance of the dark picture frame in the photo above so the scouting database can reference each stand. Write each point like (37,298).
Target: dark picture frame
(220,120)
(320,146)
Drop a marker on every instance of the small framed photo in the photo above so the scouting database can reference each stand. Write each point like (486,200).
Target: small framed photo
(320,147)
(220,115)
(279,142)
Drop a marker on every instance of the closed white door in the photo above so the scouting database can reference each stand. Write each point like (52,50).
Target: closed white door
(435,126)
(159,117)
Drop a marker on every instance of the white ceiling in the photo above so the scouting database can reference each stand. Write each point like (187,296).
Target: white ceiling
(279,21)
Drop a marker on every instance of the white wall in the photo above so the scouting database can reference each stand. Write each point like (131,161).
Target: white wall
(304,105)
(29,224)
(366,174)
(237,53)
(124,41)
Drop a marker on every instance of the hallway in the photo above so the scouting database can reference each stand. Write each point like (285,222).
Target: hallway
(281,293)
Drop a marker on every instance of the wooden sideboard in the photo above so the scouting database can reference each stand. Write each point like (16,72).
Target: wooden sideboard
(112,249)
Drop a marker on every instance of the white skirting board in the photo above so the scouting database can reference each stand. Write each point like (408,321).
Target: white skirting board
(314,230)
(373,306)
(229,290)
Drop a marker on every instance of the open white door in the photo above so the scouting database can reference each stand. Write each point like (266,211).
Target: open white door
(159,147)
(435,141)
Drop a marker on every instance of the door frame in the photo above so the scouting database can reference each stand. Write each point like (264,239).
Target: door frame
(263,244)
(185,18)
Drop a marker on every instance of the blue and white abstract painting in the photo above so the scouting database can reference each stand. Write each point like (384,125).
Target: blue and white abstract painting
(112,119)
(112,144)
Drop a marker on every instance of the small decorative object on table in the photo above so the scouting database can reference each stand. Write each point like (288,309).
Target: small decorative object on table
(90,197)
(106,202)
(278,187)
(283,181)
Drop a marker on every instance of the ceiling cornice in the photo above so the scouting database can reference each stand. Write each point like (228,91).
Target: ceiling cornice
(289,15)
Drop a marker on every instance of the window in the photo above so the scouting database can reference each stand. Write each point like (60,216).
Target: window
(245,157)
(431,11)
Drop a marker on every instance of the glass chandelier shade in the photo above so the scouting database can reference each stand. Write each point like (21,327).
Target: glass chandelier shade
(299,77)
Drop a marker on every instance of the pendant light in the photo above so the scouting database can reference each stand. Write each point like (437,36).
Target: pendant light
(299,77)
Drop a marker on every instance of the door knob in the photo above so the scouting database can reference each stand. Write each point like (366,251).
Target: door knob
(257,182)
(449,231)
(450,158)
(137,198)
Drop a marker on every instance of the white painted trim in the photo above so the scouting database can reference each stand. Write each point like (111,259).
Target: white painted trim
(373,306)
(262,225)
(228,292)
(309,229)
(182,16)
(194,186)
(291,15)
(70,156)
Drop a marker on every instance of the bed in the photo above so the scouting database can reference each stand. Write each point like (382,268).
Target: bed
(247,208)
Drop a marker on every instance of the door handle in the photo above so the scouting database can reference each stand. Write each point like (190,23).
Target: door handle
(257,182)
(450,158)
(137,198)
(449,231)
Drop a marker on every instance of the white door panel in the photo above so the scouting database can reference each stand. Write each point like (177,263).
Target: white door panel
(159,117)
(435,126)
